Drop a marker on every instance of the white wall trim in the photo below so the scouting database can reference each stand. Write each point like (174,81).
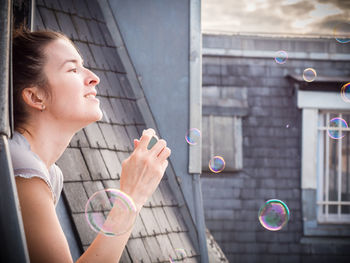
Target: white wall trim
(321,100)
(227,52)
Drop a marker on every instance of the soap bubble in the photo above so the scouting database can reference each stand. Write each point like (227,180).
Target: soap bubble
(345,92)
(287,126)
(217,164)
(193,136)
(180,255)
(334,127)
(110,223)
(342,32)
(281,57)
(274,215)
(309,74)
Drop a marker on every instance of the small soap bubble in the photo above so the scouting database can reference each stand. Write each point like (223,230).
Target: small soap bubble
(287,126)
(342,32)
(281,57)
(217,164)
(274,215)
(180,255)
(334,128)
(193,136)
(345,92)
(309,74)
(102,219)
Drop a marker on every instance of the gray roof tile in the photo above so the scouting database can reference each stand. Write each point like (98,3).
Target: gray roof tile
(153,249)
(79,140)
(126,86)
(129,110)
(95,10)
(112,162)
(113,59)
(188,246)
(137,250)
(95,164)
(112,139)
(82,29)
(132,133)
(151,224)
(176,241)
(53,4)
(125,258)
(169,198)
(171,216)
(123,139)
(115,184)
(165,246)
(95,31)
(139,229)
(76,196)
(39,2)
(107,106)
(48,18)
(94,136)
(66,24)
(161,219)
(39,25)
(115,88)
(67,6)
(106,35)
(137,113)
(86,234)
(73,166)
(100,57)
(123,155)
(155,199)
(81,8)
(92,187)
(117,107)
(86,54)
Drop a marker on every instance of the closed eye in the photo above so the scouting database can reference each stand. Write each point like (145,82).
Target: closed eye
(74,70)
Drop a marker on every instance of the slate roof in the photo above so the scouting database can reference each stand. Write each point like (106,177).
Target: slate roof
(93,159)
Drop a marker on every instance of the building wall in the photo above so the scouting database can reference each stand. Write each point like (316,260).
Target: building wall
(271,133)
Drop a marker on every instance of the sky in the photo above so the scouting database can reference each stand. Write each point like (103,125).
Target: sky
(286,17)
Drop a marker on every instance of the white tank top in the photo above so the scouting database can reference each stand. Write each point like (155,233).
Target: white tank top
(28,164)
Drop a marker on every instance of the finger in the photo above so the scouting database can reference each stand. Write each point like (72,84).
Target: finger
(136,143)
(145,138)
(165,164)
(164,154)
(158,147)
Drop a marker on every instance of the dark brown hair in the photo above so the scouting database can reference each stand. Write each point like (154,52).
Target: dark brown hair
(28,61)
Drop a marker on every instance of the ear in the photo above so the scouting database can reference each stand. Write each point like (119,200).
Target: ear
(33,97)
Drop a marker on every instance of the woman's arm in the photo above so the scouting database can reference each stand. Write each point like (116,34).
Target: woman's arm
(141,174)
(45,238)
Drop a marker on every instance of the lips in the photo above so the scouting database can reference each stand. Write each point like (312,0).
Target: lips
(91,94)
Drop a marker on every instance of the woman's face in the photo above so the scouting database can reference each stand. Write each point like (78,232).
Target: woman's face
(69,83)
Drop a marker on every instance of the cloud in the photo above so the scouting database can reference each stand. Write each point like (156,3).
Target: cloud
(274,16)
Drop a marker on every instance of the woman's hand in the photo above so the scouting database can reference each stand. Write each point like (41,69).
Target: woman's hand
(143,169)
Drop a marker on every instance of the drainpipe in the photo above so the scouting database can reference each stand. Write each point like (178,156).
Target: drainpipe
(195,110)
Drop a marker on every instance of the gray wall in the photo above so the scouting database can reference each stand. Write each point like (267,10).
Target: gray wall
(271,151)
(156,34)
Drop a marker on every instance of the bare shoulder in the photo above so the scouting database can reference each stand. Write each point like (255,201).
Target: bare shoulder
(45,239)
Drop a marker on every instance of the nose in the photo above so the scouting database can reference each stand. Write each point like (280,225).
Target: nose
(92,79)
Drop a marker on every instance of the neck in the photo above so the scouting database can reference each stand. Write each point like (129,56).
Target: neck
(49,140)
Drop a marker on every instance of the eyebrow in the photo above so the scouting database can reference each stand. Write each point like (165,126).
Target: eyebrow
(71,60)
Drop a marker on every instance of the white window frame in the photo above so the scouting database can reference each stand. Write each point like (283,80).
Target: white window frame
(311,103)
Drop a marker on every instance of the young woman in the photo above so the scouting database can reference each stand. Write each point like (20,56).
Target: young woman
(54,97)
